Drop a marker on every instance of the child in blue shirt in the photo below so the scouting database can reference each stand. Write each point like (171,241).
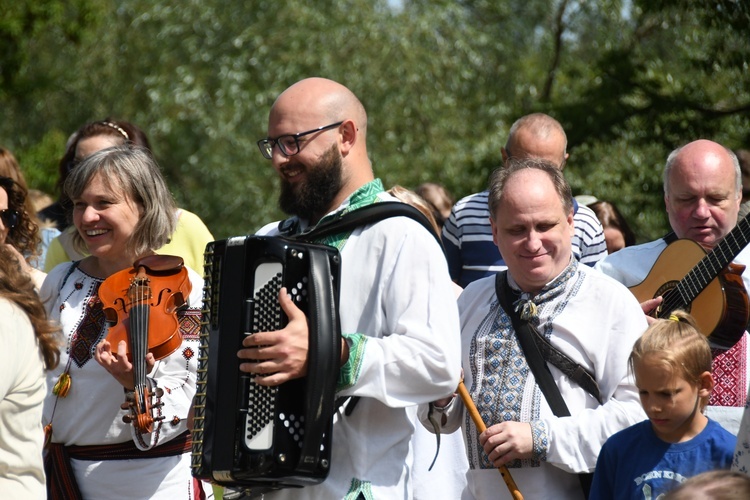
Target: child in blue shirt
(671,363)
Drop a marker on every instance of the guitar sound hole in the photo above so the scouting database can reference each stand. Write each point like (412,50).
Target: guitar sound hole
(671,301)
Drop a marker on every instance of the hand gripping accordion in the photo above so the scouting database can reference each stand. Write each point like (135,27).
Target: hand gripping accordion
(258,438)
(249,436)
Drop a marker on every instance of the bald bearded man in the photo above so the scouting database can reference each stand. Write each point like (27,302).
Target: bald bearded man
(398,311)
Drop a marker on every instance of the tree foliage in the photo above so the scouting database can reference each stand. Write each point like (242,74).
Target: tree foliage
(442,82)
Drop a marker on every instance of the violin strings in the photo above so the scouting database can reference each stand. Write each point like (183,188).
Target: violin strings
(139,337)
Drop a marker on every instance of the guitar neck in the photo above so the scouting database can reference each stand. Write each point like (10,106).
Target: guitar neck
(715,261)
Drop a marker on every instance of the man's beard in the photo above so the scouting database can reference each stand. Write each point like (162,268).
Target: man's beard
(313,197)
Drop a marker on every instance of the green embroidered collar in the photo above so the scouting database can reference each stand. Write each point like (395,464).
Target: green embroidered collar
(365,195)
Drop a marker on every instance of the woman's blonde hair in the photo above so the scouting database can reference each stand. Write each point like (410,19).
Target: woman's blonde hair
(411,198)
(679,345)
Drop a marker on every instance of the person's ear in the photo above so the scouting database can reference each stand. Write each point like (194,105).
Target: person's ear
(570,221)
(564,161)
(349,134)
(504,153)
(705,384)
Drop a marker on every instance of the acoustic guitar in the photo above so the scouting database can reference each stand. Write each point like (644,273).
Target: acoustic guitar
(707,285)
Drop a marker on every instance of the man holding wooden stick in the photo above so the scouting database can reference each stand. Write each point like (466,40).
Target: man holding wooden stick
(581,316)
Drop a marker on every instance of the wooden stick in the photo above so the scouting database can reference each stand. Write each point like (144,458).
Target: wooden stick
(474,413)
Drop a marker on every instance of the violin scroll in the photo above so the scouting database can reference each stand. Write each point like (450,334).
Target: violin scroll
(143,420)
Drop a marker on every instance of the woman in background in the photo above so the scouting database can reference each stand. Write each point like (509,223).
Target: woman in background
(9,167)
(617,232)
(441,202)
(17,229)
(190,235)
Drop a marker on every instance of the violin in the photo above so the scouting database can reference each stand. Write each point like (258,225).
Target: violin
(141,305)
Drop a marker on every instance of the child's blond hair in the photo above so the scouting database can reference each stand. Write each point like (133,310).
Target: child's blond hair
(680,346)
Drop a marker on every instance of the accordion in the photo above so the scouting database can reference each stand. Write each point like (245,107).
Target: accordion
(246,435)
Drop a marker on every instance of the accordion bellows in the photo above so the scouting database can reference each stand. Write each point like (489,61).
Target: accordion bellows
(246,435)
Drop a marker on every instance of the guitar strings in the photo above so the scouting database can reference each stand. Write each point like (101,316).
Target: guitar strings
(687,289)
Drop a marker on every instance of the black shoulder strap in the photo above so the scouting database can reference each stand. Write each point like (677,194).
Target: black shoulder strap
(526,334)
(534,358)
(670,237)
(367,215)
(549,352)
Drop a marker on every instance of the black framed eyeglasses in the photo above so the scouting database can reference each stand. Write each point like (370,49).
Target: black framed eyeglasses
(288,144)
(9,218)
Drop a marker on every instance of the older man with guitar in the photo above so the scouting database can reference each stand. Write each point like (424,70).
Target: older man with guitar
(700,266)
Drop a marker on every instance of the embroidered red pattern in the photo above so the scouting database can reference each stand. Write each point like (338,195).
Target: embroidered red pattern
(88,332)
(730,375)
(190,324)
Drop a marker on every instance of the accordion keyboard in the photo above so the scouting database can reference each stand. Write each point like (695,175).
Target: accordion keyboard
(266,318)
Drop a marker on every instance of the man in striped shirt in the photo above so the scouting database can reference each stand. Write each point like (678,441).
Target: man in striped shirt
(467,235)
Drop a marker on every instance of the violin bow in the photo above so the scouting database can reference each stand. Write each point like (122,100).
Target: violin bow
(474,413)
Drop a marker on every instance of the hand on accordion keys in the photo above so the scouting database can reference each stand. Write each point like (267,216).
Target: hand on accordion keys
(278,356)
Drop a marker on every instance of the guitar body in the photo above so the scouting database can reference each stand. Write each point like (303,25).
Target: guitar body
(721,309)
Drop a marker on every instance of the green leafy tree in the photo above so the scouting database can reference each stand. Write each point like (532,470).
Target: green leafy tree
(678,74)
(442,82)
(39,42)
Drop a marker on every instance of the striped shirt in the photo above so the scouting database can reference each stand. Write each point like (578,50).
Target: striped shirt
(471,253)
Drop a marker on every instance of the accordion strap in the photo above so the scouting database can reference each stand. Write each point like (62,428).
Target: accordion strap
(363,216)
(325,344)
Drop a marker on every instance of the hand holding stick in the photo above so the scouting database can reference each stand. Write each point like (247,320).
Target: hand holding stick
(477,419)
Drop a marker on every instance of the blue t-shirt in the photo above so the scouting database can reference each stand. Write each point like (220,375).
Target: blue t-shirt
(636,464)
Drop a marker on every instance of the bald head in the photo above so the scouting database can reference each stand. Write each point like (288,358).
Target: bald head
(537,136)
(321,100)
(702,192)
(704,154)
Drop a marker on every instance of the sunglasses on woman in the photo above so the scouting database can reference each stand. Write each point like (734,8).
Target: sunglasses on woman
(9,217)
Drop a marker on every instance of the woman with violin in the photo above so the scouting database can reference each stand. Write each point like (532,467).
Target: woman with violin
(118,404)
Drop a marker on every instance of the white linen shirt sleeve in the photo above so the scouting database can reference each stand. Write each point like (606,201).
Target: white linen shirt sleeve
(396,274)
(575,442)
